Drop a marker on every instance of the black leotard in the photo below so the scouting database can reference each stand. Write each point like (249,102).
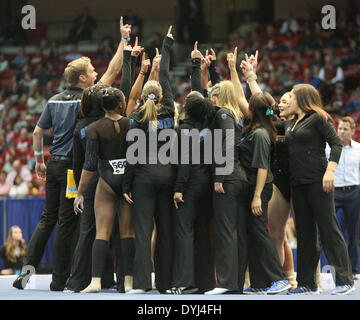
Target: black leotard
(106,151)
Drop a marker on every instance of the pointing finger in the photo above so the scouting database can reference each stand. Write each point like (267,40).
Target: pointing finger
(169,31)
(195,45)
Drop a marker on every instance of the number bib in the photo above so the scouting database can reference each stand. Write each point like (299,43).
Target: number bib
(118,166)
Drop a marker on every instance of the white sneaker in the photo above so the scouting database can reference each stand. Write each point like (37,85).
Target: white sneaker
(136,291)
(217,291)
(343,290)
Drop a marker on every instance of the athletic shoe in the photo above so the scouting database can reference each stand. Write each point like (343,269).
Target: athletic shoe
(55,287)
(183,290)
(304,290)
(218,291)
(250,290)
(279,286)
(137,291)
(343,290)
(22,280)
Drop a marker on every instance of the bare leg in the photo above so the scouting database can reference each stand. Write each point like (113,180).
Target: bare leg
(106,202)
(289,264)
(318,282)
(278,213)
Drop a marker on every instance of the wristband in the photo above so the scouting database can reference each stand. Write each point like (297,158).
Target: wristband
(125,38)
(38,152)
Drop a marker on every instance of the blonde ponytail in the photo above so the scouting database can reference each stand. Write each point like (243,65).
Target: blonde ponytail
(152,94)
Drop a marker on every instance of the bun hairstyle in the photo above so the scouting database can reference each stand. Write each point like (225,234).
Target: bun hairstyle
(261,107)
(151,94)
(91,101)
(111,98)
(198,108)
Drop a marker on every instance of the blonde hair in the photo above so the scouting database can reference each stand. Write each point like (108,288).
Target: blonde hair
(76,68)
(10,247)
(227,99)
(214,92)
(151,94)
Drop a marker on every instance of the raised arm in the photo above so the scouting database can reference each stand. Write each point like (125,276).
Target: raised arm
(137,87)
(240,95)
(136,51)
(248,67)
(155,68)
(164,77)
(116,62)
(196,58)
(214,76)
(125,83)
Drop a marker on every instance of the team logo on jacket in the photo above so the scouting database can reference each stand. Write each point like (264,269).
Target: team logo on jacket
(224,116)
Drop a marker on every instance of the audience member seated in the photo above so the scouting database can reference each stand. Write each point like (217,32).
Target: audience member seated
(33,188)
(28,82)
(338,102)
(73,54)
(353,105)
(18,170)
(330,73)
(106,49)
(38,57)
(4,186)
(36,102)
(13,252)
(83,27)
(19,188)
(4,64)
(19,59)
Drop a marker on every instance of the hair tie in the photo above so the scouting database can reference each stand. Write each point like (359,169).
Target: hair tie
(151,96)
(269,112)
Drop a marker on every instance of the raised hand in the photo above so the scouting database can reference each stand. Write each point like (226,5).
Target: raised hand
(246,66)
(196,53)
(207,59)
(213,54)
(253,60)
(128,48)
(169,33)
(136,50)
(231,58)
(156,60)
(125,30)
(145,63)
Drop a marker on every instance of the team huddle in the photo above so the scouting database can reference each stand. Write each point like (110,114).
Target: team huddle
(204,180)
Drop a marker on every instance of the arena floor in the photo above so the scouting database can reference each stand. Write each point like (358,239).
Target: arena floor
(38,289)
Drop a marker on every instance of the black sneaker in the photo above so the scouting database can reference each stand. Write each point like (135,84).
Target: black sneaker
(188,290)
(56,287)
(22,280)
